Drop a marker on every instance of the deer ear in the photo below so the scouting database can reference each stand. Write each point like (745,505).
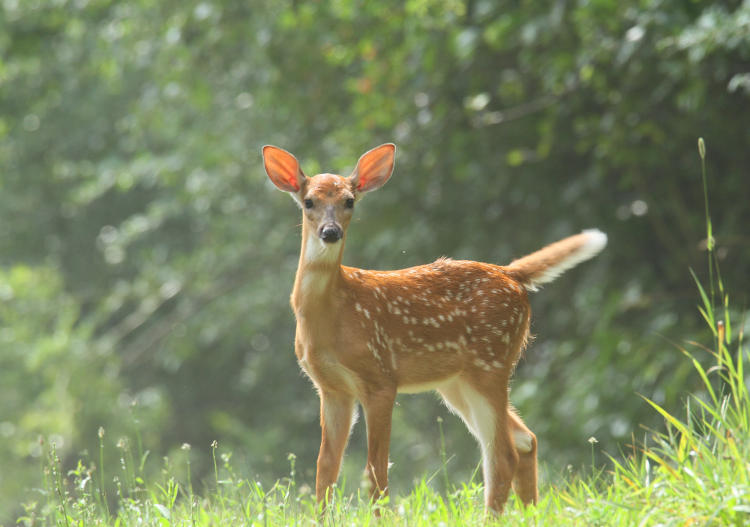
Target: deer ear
(282,169)
(373,168)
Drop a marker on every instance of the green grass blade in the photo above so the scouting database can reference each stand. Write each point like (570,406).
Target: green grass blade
(668,417)
(727,320)
(705,380)
(707,311)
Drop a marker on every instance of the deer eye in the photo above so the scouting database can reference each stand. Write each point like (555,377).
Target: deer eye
(308,203)
(349,203)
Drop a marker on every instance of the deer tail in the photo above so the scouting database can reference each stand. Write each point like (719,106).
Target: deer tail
(548,263)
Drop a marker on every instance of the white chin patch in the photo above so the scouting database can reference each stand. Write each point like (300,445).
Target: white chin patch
(317,250)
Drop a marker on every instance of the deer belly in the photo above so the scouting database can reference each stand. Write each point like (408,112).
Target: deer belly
(420,373)
(424,386)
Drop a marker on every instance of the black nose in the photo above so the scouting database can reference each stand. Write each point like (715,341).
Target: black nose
(331,233)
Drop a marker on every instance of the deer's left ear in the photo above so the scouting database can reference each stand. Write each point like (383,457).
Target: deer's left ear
(373,168)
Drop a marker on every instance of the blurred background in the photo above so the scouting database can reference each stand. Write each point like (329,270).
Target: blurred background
(146,260)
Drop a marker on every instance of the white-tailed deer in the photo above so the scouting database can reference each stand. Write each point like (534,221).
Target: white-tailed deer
(457,327)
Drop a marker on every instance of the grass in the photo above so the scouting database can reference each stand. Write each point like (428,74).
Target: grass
(696,471)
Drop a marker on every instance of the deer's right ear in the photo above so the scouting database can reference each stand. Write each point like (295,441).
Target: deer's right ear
(282,169)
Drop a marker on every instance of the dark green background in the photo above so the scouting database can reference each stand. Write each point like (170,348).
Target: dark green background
(146,261)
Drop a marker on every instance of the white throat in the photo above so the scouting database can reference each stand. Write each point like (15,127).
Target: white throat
(315,279)
(316,250)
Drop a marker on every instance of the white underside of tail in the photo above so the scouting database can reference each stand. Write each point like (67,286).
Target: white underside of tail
(596,241)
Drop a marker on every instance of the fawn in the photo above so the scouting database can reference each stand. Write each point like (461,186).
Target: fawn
(457,327)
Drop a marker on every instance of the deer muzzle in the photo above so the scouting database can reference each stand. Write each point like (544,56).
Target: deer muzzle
(330,232)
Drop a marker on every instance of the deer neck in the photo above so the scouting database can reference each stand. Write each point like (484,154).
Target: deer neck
(318,273)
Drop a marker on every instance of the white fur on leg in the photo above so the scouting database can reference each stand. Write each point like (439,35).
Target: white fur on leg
(479,416)
(339,415)
(522,441)
(483,419)
(454,399)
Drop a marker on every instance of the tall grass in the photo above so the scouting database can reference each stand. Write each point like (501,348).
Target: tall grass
(696,471)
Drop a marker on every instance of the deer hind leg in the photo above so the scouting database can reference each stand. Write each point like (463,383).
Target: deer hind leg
(453,396)
(485,412)
(525,480)
(336,417)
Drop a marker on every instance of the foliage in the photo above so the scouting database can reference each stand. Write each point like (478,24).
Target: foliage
(144,259)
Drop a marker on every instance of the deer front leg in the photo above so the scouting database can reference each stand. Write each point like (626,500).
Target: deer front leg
(336,413)
(378,409)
